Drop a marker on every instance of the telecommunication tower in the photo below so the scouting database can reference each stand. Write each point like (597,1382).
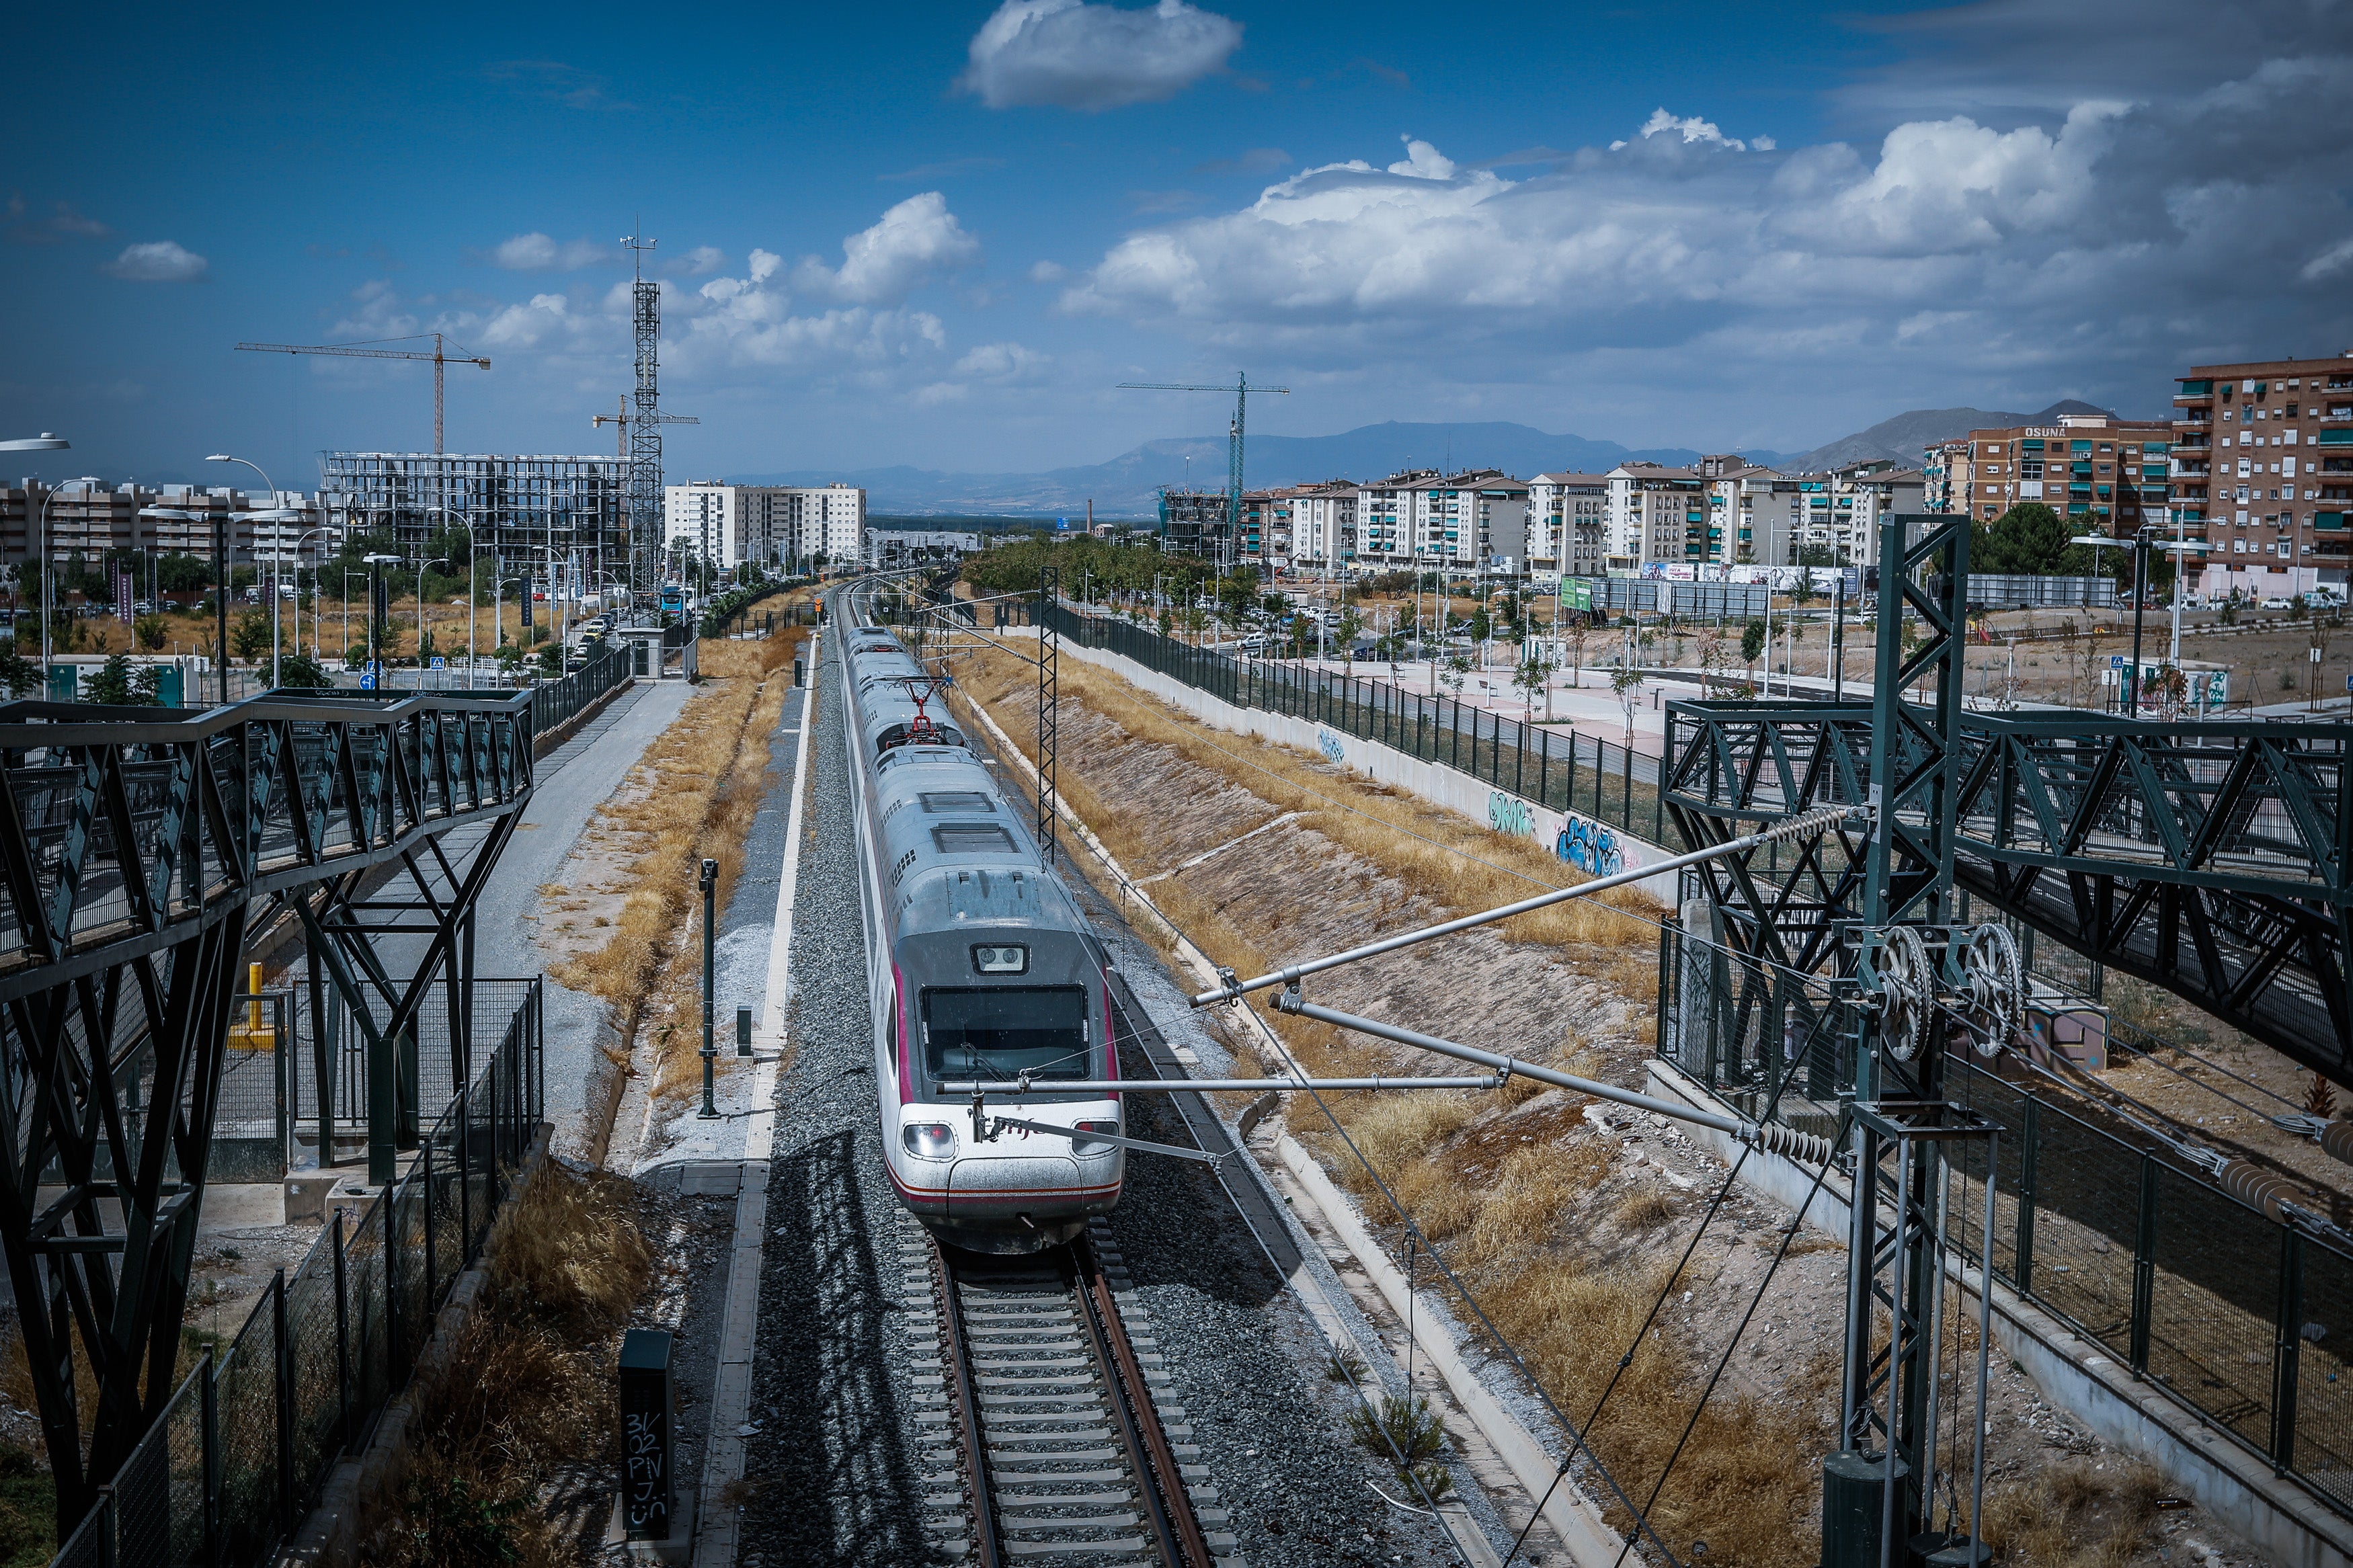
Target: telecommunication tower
(645,427)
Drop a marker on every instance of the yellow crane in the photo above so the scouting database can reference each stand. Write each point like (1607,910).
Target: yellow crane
(624,419)
(371,351)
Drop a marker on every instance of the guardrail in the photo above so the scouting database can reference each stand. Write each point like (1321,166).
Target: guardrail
(240,1454)
(556,701)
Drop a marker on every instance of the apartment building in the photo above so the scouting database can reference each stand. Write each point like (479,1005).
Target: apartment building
(1568,517)
(2261,472)
(1751,512)
(1841,510)
(1267,530)
(2093,470)
(1323,527)
(1657,515)
(1945,473)
(1426,520)
(730,525)
(90,520)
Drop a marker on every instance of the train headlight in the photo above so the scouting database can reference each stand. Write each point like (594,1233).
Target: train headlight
(1092,1145)
(932,1140)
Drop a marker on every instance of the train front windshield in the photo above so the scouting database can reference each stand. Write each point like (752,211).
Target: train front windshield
(1004,1031)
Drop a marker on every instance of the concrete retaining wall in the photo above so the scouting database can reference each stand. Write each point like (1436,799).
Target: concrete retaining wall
(1575,837)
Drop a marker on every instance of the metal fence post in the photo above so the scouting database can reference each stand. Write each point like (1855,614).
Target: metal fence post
(284,1371)
(108,1527)
(384,1199)
(343,1341)
(432,1254)
(2287,1345)
(2144,1268)
(2029,1153)
(208,1430)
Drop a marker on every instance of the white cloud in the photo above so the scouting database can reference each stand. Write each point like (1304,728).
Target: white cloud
(2111,235)
(527,326)
(702,260)
(1073,55)
(158,261)
(2337,259)
(731,325)
(1002,362)
(914,242)
(536,252)
(1048,273)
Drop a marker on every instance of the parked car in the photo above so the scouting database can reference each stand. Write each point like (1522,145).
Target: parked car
(2276,603)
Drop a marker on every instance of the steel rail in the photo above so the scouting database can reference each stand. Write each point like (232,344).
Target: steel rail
(967,1394)
(1167,1505)
(1815,821)
(1770,1136)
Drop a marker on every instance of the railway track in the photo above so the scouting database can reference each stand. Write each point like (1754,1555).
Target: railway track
(1040,1409)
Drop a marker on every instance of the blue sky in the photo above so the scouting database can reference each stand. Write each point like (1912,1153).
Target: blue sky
(936,235)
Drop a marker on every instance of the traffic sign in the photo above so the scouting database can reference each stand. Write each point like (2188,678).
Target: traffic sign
(440,662)
(374,666)
(368,682)
(2116,661)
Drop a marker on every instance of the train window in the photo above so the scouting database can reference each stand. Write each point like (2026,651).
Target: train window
(939,803)
(1003,1031)
(972,838)
(1003,958)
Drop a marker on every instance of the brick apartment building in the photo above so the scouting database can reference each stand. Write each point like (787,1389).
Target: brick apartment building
(2089,467)
(2263,472)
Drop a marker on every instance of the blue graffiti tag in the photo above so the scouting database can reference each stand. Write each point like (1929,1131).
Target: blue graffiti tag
(1330,746)
(1506,814)
(1589,846)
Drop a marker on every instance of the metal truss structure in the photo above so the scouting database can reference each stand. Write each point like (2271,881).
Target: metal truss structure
(137,854)
(1050,711)
(2212,858)
(515,504)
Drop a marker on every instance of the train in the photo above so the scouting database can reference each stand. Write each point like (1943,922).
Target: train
(980,966)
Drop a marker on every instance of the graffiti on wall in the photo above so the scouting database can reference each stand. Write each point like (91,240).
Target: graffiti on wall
(1509,814)
(1329,744)
(1589,846)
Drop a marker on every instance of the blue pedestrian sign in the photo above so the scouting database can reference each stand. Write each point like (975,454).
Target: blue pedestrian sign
(2116,661)
(373,666)
(440,662)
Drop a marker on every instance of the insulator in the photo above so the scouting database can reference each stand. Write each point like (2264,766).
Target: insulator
(1776,1138)
(2336,1139)
(2252,1185)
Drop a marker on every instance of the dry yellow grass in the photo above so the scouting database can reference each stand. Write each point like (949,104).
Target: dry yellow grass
(691,798)
(2073,1516)
(525,1391)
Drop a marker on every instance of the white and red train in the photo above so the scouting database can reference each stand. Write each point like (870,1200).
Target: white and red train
(980,967)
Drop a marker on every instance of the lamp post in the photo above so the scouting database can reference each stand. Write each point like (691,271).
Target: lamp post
(275,515)
(710,1111)
(421,565)
(2139,544)
(374,563)
(85,481)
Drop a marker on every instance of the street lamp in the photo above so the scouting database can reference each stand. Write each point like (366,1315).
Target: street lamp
(421,565)
(85,481)
(276,515)
(44,442)
(373,562)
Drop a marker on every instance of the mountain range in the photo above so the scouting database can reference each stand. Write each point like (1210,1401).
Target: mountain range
(1127,486)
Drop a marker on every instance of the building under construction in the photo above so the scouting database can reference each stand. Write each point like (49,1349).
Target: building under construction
(515,505)
(1197,522)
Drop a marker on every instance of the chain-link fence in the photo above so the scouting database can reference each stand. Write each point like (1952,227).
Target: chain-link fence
(2245,1319)
(239,1453)
(1613,785)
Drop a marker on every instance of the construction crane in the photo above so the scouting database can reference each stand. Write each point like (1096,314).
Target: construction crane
(624,419)
(1241,390)
(368,350)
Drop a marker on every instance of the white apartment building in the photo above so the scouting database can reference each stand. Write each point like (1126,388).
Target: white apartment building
(1752,513)
(1323,527)
(1426,520)
(1657,515)
(1568,515)
(728,525)
(1844,507)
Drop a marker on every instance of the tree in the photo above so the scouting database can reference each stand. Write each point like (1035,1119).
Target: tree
(151,631)
(1627,686)
(119,685)
(17,673)
(2031,539)
(1752,644)
(250,639)
(1533,675)
(1453,673)
(299,669)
